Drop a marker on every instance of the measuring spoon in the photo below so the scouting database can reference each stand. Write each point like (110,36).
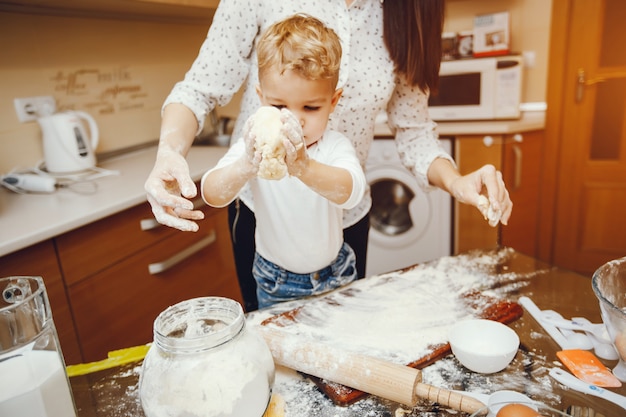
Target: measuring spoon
(576,340)
(597,334)
(571,340)
(599,337)
(574,383)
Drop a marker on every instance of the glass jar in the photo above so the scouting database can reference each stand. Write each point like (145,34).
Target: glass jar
(204,362)
(33,381)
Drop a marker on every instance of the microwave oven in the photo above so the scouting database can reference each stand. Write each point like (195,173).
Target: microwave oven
(478,89)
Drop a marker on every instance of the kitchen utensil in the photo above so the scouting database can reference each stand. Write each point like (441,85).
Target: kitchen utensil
(372,375)
(574,383)
(586,366)
(597,333)
(575,339)
(483,346)
(33,381)
(67,147)
(609,286)
(569,340)
(599,337)
(23,183)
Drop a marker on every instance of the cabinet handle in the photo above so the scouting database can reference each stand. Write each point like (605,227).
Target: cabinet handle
(517,152)
(158,267)
(148,224)
(151,223)
(517,182)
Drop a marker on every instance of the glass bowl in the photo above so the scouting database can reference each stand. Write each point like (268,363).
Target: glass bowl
(609,286)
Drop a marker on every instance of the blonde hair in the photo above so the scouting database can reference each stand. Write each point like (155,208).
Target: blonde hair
(303,44)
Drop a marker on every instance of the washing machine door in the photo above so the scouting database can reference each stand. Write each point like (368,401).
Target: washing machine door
(401,211)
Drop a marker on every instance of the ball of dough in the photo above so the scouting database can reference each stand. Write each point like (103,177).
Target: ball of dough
(269,141)
(487,211)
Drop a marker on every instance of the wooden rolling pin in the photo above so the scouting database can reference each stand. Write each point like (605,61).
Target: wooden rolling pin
(375,376)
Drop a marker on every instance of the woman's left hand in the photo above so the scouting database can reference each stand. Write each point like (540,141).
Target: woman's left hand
(484,189)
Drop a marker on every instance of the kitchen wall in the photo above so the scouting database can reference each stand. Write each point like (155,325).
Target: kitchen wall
(121,70)
(530,32)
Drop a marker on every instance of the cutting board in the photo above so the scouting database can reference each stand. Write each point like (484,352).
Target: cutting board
(402,317)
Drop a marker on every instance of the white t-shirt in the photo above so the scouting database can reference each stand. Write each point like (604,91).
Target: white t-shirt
(296,227)
(227,61)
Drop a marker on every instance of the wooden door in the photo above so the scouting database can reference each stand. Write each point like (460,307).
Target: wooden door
(590,182)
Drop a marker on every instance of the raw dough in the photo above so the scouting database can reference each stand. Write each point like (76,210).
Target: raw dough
(269,141)
(488,212)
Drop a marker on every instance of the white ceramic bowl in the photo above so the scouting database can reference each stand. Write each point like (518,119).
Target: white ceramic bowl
(483,346)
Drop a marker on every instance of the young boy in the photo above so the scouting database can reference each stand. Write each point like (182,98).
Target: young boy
(299,233)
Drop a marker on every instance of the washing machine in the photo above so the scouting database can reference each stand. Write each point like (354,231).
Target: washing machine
(407,224)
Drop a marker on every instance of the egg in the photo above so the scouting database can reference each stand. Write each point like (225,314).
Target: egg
(517,410)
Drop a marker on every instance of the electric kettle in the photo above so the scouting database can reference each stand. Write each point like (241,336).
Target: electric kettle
(67,147)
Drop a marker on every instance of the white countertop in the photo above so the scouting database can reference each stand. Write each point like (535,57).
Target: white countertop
(530,120)
(26,219)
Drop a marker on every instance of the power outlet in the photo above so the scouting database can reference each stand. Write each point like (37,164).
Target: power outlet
(31,108)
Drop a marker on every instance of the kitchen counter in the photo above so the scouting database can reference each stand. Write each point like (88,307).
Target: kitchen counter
(504,272)
(26,219)
(530,120)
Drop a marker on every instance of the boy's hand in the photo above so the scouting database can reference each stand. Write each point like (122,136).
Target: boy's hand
(296,157)
(253,157)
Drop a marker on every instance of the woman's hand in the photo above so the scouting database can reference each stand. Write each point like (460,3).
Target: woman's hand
(484,189)
(169,188)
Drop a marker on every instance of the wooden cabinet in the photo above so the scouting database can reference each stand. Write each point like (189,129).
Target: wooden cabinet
(119,277)
(517,156)
(108,281)
(41,260)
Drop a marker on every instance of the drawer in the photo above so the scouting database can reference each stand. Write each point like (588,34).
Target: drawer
(116,307)
(94,247)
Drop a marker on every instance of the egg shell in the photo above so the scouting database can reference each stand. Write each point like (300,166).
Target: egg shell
(517,410)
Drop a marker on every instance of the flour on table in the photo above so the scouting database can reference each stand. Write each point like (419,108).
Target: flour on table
(400,317)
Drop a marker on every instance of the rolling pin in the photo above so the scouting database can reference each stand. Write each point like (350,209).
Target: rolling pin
(375,376)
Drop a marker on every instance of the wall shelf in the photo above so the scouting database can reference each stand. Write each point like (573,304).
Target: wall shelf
(191,11)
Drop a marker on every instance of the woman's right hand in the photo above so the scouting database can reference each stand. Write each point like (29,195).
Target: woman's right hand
(169,189)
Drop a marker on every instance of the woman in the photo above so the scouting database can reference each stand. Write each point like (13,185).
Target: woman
(390,63)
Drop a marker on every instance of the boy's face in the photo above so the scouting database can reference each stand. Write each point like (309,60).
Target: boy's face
(311,102)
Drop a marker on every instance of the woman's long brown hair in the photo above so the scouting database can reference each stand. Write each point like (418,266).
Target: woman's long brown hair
(412,33)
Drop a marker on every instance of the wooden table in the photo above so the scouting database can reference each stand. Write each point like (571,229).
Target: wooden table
(114,392)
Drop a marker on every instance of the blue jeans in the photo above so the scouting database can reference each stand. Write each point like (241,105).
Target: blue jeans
(276,284)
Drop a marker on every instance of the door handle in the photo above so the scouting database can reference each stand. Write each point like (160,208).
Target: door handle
(159,267)
(582,81)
